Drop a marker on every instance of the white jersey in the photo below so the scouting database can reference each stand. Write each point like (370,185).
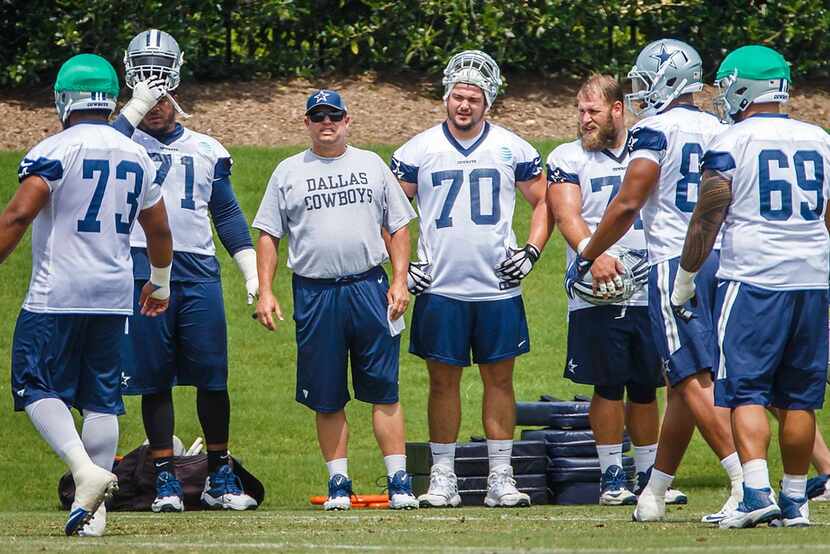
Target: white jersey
(676,140)
(599,176)
(332,210)
(774,235)
(186,169)
(99,182)
(466,198)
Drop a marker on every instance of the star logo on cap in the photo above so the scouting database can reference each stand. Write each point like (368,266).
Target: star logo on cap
(321,96)
(662,56)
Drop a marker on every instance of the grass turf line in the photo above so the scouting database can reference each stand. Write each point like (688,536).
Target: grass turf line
(275,436)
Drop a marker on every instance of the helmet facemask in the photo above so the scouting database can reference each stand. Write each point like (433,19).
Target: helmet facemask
(476,68)
(153,53)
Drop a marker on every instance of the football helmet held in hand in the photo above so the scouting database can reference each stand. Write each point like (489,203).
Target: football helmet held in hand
(634,277)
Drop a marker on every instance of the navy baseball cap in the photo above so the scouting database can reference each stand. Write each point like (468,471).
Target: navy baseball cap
(325,97)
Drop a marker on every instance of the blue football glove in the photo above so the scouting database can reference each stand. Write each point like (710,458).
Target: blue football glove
(576,271)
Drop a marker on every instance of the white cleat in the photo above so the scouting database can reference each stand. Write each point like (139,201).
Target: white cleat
(93,485)
(650,507)
(729,506)
(758,506)
(795,512)
(97,525)
(443,489)
(502,491)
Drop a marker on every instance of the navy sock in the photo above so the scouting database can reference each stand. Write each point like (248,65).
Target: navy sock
(216,459)
(165,463)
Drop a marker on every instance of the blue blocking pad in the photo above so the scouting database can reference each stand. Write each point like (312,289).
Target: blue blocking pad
(561,443)
(584,470)
(560,414)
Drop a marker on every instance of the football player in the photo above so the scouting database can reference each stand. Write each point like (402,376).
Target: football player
(662,178)
(188,346)
(765,182)
(464,174)
(83,189)
(609,346)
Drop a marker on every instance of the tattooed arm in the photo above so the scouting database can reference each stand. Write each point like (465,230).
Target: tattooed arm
(710,211)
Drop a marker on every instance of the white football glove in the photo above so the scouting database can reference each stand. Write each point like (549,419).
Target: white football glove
(417,279)
(246,261)
(684,291)
(518,264)
(146,94)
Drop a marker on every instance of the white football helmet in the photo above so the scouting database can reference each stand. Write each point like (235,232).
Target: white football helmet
(473,67)
(151,53)
(634,277)
(664,70)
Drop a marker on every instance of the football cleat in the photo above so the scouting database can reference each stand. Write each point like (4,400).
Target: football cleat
(399,488)
(818,489)
(443,489)
(758,506)
(169,494)
(613,489)
(97,525)
(93,486)
(340,493)
(502,491)
(795,512)
(728,507)
(673,496)
(223,491)
(650,507)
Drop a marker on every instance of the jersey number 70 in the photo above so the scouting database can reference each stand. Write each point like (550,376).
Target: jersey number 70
(456,178)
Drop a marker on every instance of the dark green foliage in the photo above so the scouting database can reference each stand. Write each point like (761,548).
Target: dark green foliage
(246,38)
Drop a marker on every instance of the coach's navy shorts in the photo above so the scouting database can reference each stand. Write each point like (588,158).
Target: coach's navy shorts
(71,357)
(445,330)
(773,347)
(686,347)
(612,345)
(340,321)
(185,345)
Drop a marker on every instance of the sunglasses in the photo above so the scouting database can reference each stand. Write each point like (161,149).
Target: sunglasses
(333,115)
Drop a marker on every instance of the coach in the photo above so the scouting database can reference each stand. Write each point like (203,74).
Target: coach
(334,202)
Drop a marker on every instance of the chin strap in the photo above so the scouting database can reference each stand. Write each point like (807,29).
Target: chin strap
(178,108)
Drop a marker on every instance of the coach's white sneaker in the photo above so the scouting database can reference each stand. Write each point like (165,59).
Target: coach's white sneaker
(97,525)
(650,507)
(93,485)
(443,489)
(502,491)
(728,508)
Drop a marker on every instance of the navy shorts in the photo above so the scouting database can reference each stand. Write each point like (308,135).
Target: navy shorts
(445,330)
(186,345)
(685,347)
(773,347)
(340,321)
(71,357)
(612,345)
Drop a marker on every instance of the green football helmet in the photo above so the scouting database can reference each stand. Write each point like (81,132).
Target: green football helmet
(748,75)
(85,82)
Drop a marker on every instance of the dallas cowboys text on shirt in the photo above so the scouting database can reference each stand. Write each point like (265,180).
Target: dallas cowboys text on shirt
(336,190)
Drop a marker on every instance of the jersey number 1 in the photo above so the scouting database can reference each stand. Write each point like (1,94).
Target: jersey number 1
(90,222)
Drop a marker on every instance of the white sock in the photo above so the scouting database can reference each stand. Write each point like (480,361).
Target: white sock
(338,466)
(394,463)
(659,482)
(794,486)
(732,465)
(499,453)
(443,454)
(54,422)
(100,437)
(609,455)
(756,474)
(644,457)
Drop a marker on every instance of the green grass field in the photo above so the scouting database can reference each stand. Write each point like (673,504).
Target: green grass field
(275,437)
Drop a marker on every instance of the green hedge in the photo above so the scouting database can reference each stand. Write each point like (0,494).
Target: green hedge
(247,38)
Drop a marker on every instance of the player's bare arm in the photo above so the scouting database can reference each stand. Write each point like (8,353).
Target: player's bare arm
(565,200)
(398,246)
(27,202)
(541,224)
(266,261)
(409,189)
(638,183)
(710,211)
(155,296)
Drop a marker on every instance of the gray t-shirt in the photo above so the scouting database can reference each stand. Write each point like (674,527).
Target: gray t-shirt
(332,210)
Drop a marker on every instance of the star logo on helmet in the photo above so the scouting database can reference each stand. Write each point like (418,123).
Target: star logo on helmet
(662,56)
(321,96)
